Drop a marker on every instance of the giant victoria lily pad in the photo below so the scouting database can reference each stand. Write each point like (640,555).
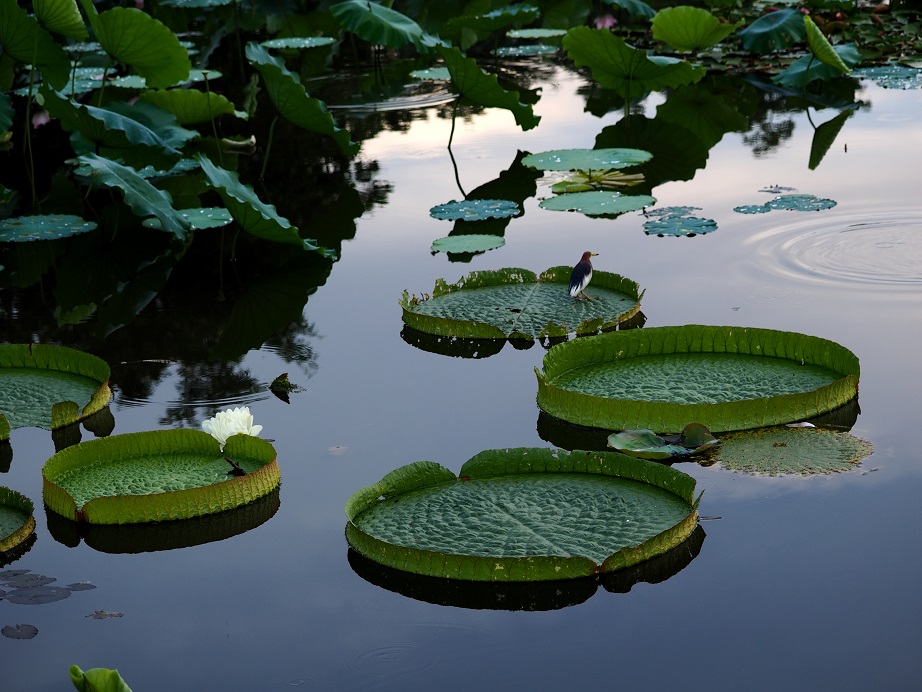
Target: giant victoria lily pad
(49,386)
(517,303)
(728,378)
(527,514)
(156,476)
(16,520)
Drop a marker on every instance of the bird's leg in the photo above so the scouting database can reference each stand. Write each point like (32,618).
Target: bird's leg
(583,294)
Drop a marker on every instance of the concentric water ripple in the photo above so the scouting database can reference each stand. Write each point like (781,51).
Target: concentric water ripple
(881,249)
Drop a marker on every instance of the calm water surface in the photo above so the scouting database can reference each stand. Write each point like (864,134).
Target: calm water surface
(801,583)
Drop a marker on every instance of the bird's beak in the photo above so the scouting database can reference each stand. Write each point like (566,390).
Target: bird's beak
(595,254)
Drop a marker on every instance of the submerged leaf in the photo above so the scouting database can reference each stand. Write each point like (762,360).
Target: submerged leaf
(19,631)
(804,451)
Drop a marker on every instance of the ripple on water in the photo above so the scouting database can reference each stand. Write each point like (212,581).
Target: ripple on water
(881,249)
(395,661)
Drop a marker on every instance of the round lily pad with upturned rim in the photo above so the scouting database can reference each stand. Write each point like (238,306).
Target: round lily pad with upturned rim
(156,476)
(797,451)
(16,520)
(517,303)
(49,386)
(527,514)
(727,378)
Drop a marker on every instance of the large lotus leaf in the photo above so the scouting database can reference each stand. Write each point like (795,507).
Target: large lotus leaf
(597,202)
(45,227)
(36,377)
(774,31)
(807,69)
(293,103)
(527,514)
(635,8)
(586,159)
(97,680)
(821,48)
(143,198)
(16,520)
(190,106)
(475,210)
(804,451)
(466,30)
(383,26)
(61,17)
(254,216)
(484,89)
(156,476)
(515,303)
(627,70)
(470,242)
(122,137)
(686,28)
(25,41)
(646,444)
(727,378)
(136,39)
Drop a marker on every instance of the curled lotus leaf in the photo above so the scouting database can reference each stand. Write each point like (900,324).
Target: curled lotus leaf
(157,476)
(598,202)
(517,303)
(784,450)
(586,159)
(23,229)
(468,243)
(727,378)
(646,444)
(16,520)
(527,514)
(475,210)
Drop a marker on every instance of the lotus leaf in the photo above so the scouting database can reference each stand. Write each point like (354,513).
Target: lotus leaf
(597,202)
(774,31)
(468,243)
(536,33)
(586,159)
(586,181)
(191,106)
(635,8)
(16,520)
(891,76)
(196,4)
(383,26)
(523,51)
(821,48)
(804,451)
(752,209)
(800,203)
(299,42)
(61,17)
(515,303)
(688,226)
(97,680)
(36,377)
(469,29)
(133,81)
(648,445)
(807,69)
(48,227)
(156,476)
(686,28)
(475,210)
(25,41)
(527,514)
(201,217)
(727,378)
(434,73)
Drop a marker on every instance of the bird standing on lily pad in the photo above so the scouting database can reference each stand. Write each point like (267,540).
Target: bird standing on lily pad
(582,275)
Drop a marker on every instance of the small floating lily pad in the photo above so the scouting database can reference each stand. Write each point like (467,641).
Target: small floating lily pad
(49,386)
(800,202)
(586,159)
(156,476)
(752,209)
(687,226)
(891,76)
(468,243)
(433,73)
(24,229)
(516,303)
(648,445)
(475,210)
(299,42)
(597,202)
(728,378)
(16,520)
(802,451)
(528,514)
(536,33)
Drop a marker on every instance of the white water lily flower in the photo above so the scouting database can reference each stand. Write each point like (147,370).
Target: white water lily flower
(228,423)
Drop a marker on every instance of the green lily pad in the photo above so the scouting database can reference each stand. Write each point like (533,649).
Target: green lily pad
(800,203)
(646,444)
(50,386)
(475,210)
(536,33)
(156,476)
(586,159)
(98,680)
(16,520)
(803,451)
(299,42)
(687,226)
(435,73)
(597,202)
(524,51)
(516,303)
(752,209)
(23,229)
(527,514)
(200,217)
(471,242)
(727,378)
(891,76)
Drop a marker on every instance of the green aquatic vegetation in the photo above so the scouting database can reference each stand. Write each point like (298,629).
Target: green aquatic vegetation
(689,29)
(679,224)
(799,451)
(597,202)
(97,680)
(45,227)
(470,242)
(600,160)
(16,520)
(475,210)
(646,444)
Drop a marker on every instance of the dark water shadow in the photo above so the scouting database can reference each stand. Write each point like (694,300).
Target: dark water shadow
(10,556)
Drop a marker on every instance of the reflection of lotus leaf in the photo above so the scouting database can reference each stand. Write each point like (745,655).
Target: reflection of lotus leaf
(16,520)
(475,210)
(800,203)
(803,451)
(156,476)
(516,303)
(687,226)
(47,227)
(468,243)
(526,514)
(727,378)
(597,202)
(586,159)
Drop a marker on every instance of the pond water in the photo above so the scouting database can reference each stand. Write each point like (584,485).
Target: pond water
(796,582)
